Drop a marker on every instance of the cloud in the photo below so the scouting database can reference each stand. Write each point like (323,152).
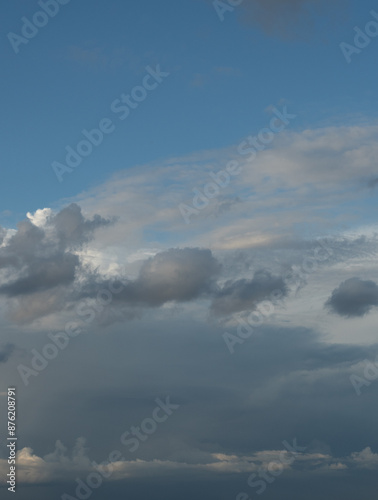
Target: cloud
(61,466)
(365,459)
(245,294)
(57,465)
(5,352)
(24,309)
(33,247)
(50,261)
(354,297)
(41,256)
(292,19)
(44,274)
(178,275)
(283,368)
(72,229)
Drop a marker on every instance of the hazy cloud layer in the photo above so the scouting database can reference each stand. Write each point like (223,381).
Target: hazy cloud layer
(284,368)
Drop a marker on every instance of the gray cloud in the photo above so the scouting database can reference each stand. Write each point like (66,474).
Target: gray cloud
(44,274)
(38,263)
(39,267)
(127,368)
(5,352)
(38,259)
(176,274)
(245,294)
(2,234)
(72,229)
(354,297)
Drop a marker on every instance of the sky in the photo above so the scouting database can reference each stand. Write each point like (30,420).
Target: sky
(188,249)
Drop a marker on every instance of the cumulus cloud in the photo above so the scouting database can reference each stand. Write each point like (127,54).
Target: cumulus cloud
(176,274)
(43,272)
(354,297)
(365,459)
(57,465)
(40,256)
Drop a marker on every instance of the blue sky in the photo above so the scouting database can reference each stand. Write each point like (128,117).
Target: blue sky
(222,77)
(215,251)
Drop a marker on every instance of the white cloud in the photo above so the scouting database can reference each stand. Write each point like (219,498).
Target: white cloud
(365,459)
(40,217)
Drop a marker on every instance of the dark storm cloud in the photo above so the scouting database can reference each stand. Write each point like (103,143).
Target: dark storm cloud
(354,297)
(5,352)
(282,384)
(291,19)
(245,294)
